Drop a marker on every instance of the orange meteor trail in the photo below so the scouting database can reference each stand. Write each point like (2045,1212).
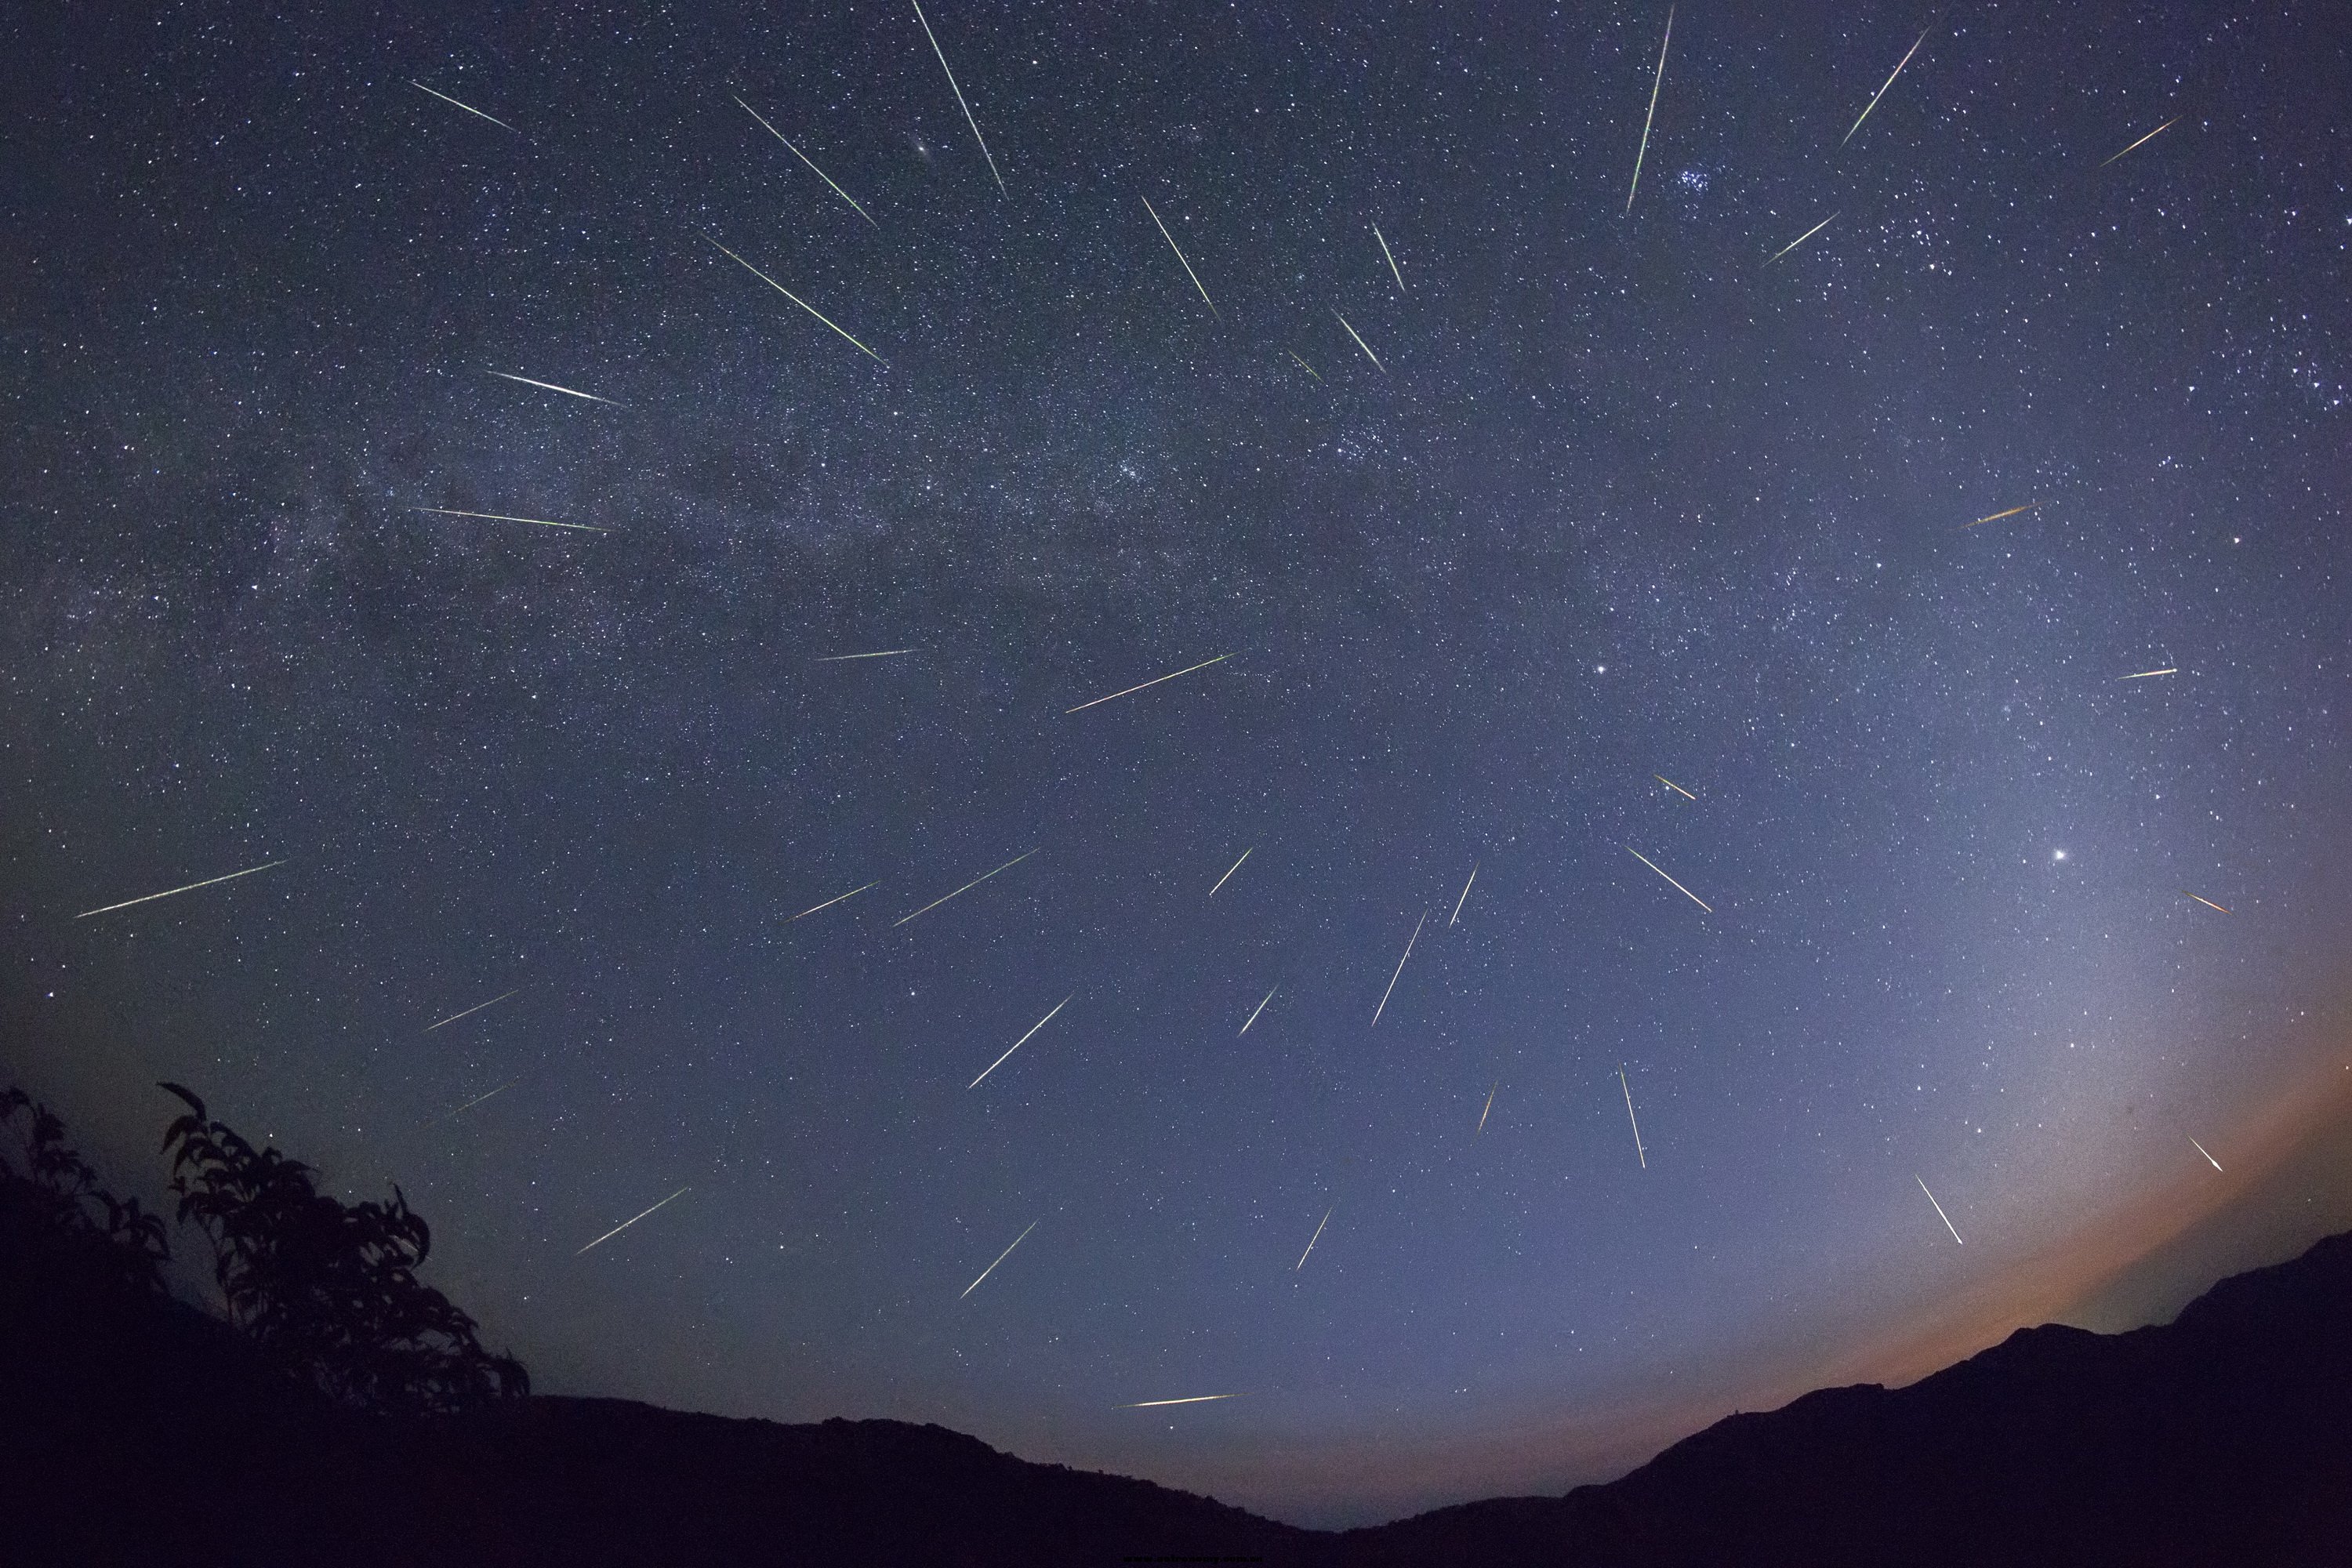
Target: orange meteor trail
(1399,969)
(2166,126)
(2207,902)
(1674,786)
(1153,681)
(1996,517)
(1678,887)
(192,887)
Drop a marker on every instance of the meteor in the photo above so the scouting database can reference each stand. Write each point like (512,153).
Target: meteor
(830,902)
(1235,866)
(150,898)
(1196,1399)
(2143,675)
(1884,86)
(1020,1042)
(1256,1010)
(839,658)
(1391,257)
(1939,1209)
(1996,517)
(976,136)
(1360,344)
(1678,887)
(551,386)
(1399,969)
(471,1103)
(504,126)
(1313,1239)
(2166,126)
(2201,1149)
(628,1223)
(1000,1258)
(501,517)
(1464,898)
(1654,86)
(967,887)
(1801,240)
(1153,681)
(1180,257)
(1639,1152)
(1674,786)
(803,157)
(1490,1106)
(1303,364)
(475,1008)
(796,300)
(2207,902)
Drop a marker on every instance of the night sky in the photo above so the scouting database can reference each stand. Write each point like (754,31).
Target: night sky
(1624,499)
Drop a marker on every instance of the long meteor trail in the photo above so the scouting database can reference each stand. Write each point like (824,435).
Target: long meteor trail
(1678,887)
(1231,869)
(1801,240)
(628,1223)
(1884,86)
(1464,898)
(551,386)
(1153,681)
(1390,256)
(192,887)
(2207,902)
(1654,86)
(504,126)
(2166,126)
(967,119)
(1939,1209)
(471,1103)
(804,158)
(2143,675)
(1360,343)
(1490,1106)
(1674,786)
(1996,517)
(2202,1150)
(475,1008)
(1180,257)
(1021,1041)
(1256,1010)
(830,902)
(1399,969)
(1639,1152)
(967,887)
(1000,1258)
(796,300)
(502,517)
(1154,1404)
(879,653)
(1313,1239)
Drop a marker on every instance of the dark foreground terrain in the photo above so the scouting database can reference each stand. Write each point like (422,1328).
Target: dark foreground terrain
(139,1431)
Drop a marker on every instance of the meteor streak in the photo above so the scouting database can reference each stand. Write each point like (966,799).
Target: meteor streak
(1000,1258)
(1674,786)
(830,902)
(796,300)
(2166,126)
(1654,86)
(2207,902)
(967,119)
(1884,86)
(2201,1149)
(1313,1239)
(1639,1152)
(2143,675)
(1939,1209)
(628,1223)
(475,1008)
(1464,898)
(1360,343)
(504,126)
(1018,1043)
(501,517)
(803,157)
(1256,1010)
(1230,870)
(1490,1106)
(1153,681)
(1180,257)
(1801,240)
(839,658)
(967,887)
(1391,257)
(471,1103)
(1678,887)
(1399,969)
(1196,1399)
(551,386)
(1996,517)
(150,898)
(1303,364)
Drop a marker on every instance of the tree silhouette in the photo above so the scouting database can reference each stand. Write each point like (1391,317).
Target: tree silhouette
(328,1289)
(58,1194)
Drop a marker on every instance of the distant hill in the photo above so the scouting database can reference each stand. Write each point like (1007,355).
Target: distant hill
(134,1430)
